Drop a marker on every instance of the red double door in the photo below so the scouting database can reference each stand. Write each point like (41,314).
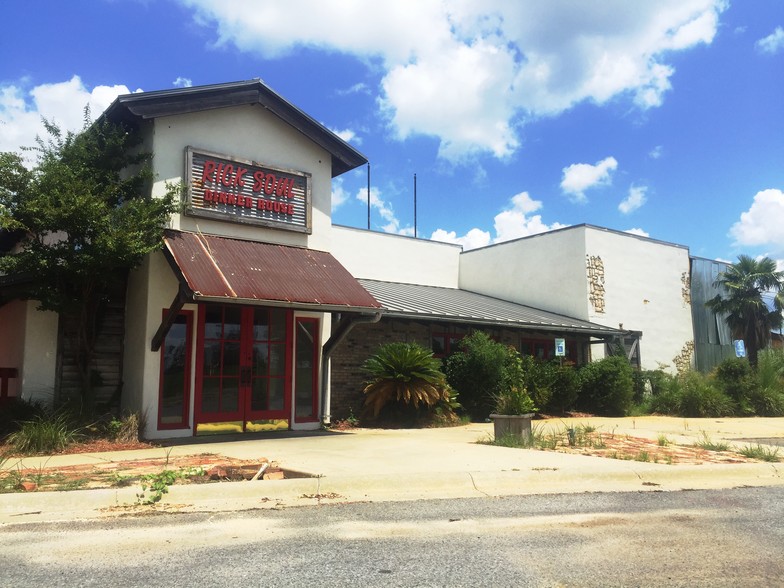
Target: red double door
(253,363)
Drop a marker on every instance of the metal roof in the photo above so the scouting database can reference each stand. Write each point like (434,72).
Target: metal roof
(132,108)
(221,269)
(453,304)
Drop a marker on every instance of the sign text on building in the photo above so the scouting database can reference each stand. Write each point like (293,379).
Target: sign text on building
(237,190)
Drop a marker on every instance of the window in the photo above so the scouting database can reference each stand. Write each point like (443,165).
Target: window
(175,378)
(444,344)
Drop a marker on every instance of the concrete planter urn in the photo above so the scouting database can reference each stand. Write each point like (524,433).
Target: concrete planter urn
(518,425)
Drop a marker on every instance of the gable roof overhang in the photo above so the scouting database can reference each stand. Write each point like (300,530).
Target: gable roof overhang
(131,109)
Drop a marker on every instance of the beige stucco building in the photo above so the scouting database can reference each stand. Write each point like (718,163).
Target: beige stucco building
(257,312)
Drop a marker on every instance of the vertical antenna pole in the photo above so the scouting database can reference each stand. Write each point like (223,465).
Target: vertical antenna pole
(415,207)
(368,193)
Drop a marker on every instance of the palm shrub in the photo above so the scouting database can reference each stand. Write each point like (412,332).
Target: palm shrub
(606,386)
(406,375)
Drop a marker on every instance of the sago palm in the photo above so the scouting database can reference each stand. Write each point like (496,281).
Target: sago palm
(404,373)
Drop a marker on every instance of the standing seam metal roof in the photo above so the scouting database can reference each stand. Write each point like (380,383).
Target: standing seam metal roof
(453,304)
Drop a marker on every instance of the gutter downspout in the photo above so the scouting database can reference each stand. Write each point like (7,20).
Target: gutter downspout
(345,325)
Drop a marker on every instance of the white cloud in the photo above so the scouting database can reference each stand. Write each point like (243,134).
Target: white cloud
(579,177)
(339,193)
(21,109)
(512,223)
(634,200)
(638,232)
(181,82)
(473,239)
(762,223)
(470,73)
(385,210)
(657,152)
(773,43)
(348,136)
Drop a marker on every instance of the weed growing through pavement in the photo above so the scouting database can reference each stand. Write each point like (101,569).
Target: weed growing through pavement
(704,442)
(760,452)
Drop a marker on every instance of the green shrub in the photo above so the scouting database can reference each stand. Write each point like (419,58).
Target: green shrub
(538,379)
(768,400)
(700,398)
(565,389)
(668,398)
(479,371)
(405,375)
(648,383)
(736,378)
(45,434)
(606,386)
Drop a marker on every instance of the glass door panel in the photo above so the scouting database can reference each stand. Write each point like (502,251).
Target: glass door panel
(306,370)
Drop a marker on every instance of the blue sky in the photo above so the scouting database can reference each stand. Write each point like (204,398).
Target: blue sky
(663,117)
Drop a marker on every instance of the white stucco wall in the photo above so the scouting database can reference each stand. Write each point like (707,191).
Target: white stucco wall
(250,133)
(544,271)
(40,352)
(643,281)
(394,258)
(151,288)
(29,344)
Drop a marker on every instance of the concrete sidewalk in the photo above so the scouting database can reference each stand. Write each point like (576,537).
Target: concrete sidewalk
(406,464)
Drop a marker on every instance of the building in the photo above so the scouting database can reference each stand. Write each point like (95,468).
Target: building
(258,312)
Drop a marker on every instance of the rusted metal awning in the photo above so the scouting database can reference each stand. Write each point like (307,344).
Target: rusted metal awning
(225,270)
(219,269)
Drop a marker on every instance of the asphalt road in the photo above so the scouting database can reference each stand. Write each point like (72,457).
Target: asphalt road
(696,538)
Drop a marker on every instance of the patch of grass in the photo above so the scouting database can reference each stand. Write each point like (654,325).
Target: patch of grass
(44,434)
(119,480)
(643,456)
(704,442)
(761,452)
(663,441)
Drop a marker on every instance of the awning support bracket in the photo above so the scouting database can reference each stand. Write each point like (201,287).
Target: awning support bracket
(168,320)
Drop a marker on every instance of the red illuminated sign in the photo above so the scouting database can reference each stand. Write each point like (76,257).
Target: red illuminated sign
(235,190)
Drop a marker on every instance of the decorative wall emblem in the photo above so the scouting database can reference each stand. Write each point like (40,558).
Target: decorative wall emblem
(686,289)
(682,361)
(595,267)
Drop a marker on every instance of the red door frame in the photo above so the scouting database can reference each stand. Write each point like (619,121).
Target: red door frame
(245,377)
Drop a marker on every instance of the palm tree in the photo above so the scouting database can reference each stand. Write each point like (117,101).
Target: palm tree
(745,312)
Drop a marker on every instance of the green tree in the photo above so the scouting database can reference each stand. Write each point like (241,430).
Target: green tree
(742,304)
(86,217)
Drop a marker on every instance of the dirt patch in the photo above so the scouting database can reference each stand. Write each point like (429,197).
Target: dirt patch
(637,449)
(190,469)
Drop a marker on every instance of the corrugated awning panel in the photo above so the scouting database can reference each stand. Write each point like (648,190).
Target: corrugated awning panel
(237,270)
(417,301)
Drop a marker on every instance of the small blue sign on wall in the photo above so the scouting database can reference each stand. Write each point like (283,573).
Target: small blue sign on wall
(740,348)
(560,347)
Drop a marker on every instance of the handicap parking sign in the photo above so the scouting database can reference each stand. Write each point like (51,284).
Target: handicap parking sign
(740,348)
